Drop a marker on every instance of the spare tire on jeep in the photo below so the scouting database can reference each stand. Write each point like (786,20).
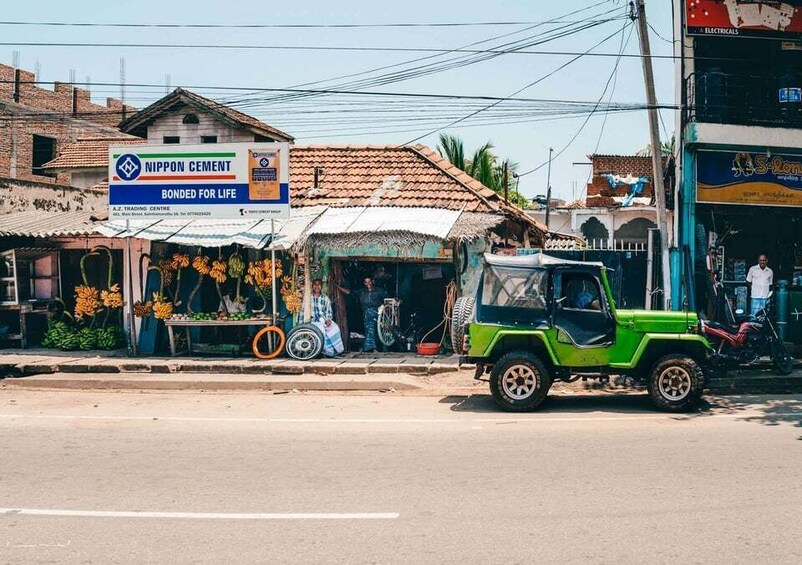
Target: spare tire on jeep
(460,314)
(520,381)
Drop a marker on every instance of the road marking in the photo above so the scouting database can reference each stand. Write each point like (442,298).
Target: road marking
(534,419)
(202,515)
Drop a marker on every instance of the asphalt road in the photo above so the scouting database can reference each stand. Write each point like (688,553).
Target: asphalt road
(182,478)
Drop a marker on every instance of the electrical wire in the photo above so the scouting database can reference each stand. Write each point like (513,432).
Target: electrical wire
(587,119)
(525,87)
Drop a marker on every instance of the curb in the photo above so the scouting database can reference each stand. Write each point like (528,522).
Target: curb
(98,381)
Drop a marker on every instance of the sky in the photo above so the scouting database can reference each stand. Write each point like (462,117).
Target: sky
(524,134)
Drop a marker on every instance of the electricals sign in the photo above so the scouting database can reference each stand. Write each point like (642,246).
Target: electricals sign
(744,18)
(224,181)
(755,179)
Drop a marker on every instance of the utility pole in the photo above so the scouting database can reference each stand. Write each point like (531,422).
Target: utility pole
(548,189)
(657,158)
(505,181)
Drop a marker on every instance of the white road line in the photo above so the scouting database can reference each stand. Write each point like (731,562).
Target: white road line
(534,419)
(202,515)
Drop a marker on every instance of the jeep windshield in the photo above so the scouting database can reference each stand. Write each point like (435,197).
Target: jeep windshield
(513,295)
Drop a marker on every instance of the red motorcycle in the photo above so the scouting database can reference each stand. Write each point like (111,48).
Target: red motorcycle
(746,341)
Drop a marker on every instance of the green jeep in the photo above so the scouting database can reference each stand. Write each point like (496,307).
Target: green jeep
(538,318)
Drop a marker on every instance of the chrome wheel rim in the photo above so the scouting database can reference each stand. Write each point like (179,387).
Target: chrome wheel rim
(303,345)
(674,383)
(519,382)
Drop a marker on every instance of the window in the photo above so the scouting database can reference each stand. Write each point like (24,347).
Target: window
(580,291)
(191,119)
(515,288)
(208,139)
(171,139)
(44,150)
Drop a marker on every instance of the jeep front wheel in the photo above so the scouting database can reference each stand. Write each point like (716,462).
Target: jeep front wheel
(519,382)
(675,383)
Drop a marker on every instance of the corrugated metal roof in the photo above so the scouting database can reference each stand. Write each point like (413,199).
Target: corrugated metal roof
(435,222)
(45,223)
(216,233)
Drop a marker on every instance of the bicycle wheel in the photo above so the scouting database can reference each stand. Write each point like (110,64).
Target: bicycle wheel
(385,325)
(268,343)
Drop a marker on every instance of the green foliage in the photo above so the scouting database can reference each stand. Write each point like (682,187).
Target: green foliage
(484,165)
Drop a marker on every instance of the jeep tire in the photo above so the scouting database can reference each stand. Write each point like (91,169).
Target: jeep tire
(460,313)
(675,383)
(519,381)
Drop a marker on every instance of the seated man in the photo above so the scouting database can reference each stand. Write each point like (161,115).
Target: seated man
(322,318)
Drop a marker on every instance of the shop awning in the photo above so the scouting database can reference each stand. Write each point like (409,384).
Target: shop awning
(217,233)
(433,222)
(46,224)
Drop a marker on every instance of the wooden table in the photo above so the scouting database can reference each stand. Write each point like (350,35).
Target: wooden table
(189,324)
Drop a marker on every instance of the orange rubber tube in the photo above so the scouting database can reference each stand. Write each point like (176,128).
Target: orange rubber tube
(264,331)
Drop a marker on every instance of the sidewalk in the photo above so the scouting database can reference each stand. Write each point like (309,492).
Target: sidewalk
(43,361)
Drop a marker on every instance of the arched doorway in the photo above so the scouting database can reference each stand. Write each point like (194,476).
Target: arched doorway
(634,231)
(594,229)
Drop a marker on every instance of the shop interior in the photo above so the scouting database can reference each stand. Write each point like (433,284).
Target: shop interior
(422,288)
(729,240)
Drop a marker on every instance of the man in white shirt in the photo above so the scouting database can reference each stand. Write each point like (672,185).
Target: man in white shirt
(760,277)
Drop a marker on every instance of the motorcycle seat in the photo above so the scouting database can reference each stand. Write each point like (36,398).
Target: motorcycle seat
(725,327)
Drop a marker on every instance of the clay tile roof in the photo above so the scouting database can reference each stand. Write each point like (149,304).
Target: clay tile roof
(223,112)
(382,175)
(89,152)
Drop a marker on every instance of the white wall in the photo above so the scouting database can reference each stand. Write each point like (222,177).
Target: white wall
(171,124)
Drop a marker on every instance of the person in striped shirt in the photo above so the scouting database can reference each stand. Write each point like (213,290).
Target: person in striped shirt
(322,315)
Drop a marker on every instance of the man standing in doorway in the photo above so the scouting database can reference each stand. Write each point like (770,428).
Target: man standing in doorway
(760,277)
(370,298)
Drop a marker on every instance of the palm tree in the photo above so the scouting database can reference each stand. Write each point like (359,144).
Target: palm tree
(666,148)
(483,165)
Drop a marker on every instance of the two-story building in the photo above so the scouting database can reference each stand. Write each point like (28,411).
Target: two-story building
(739,68)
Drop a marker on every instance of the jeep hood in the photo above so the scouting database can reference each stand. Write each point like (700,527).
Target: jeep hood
(658,321)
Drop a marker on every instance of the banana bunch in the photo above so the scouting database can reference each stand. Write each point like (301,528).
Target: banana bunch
(218,271)
(180,261)
(201,264)
(87,301)
(291,295)
(236,266)
(70,341)
(55,334)
(260,273)
(162,309)
(87,339)
(143,309)
(166,269)
(112,298)
(110,338)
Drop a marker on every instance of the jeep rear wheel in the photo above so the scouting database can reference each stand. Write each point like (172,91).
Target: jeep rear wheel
(519,381)
(675,383)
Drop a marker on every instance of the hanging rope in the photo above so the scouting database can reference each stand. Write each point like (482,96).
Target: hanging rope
(448,306)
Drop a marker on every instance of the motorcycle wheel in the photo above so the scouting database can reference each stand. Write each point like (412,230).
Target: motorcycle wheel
(781,358)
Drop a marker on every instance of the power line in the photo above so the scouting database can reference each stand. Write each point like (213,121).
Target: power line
(328,91)
(587,119)
(529,85)
(339,48)
(280,26)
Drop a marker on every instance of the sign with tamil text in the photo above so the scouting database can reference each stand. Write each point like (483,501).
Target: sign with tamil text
(212,181)
(744,18)
(757,179)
